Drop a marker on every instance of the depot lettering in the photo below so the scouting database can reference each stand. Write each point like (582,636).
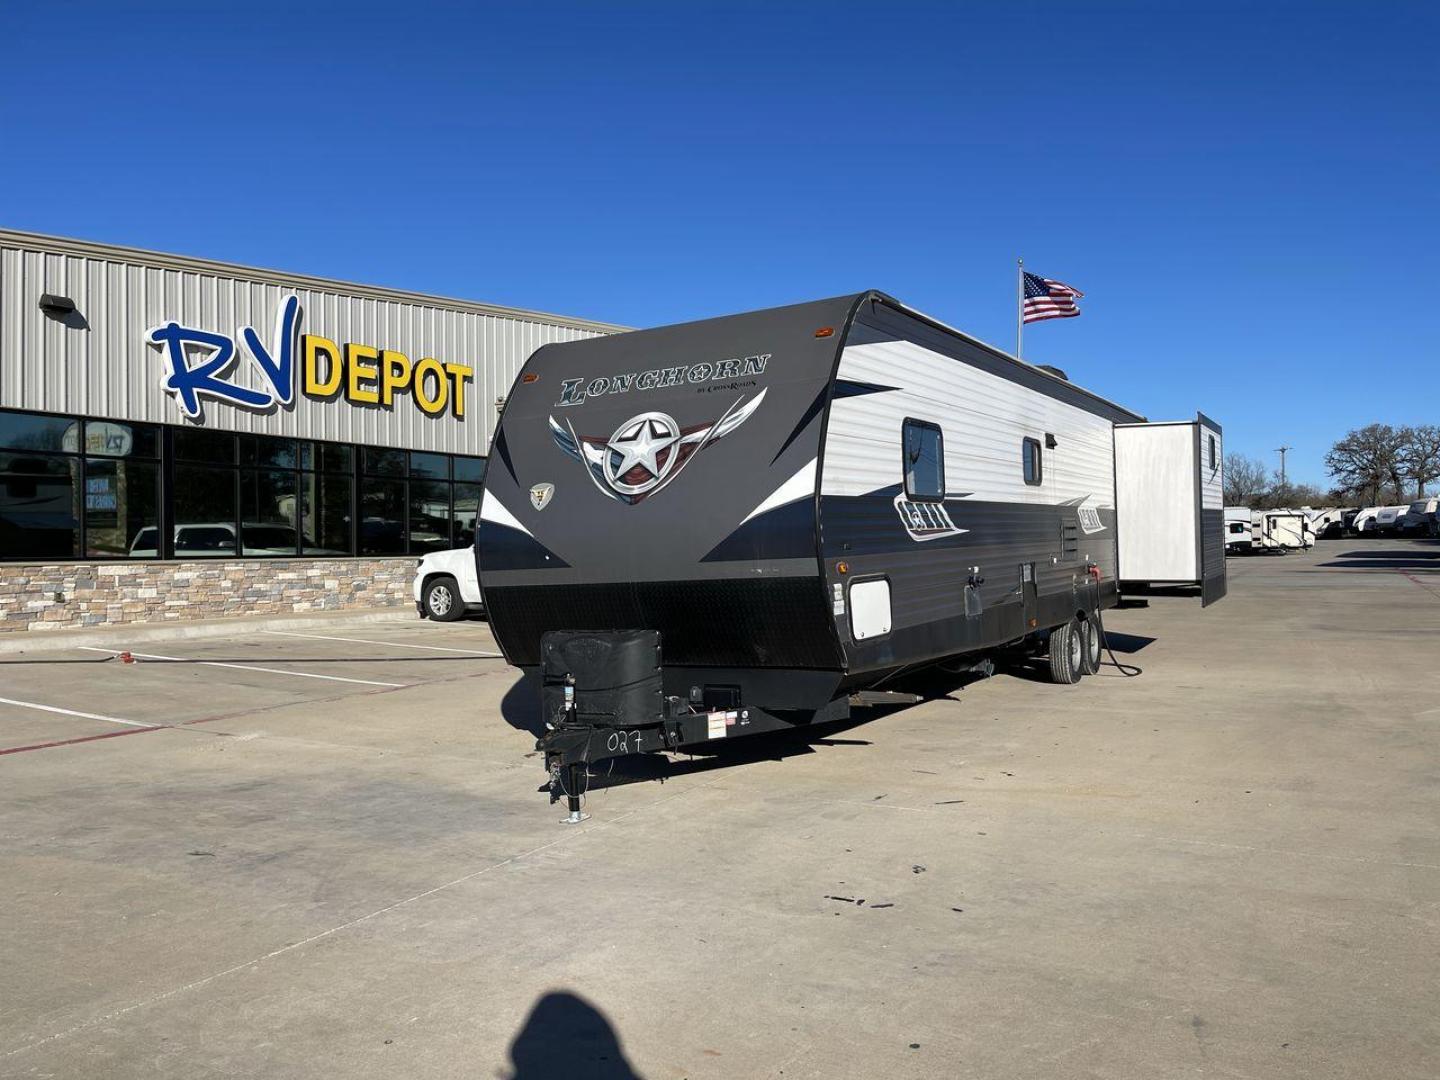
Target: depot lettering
(202,365)
(365,375)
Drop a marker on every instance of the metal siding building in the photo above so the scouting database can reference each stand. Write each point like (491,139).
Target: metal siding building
(218,471)
(105,368)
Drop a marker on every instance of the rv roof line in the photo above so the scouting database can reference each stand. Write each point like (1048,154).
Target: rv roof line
(1213,425)
(886,298)
(62,245)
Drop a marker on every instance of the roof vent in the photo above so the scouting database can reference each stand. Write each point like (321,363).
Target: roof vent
(1053,370)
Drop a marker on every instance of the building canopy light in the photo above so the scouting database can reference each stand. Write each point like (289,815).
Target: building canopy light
(59,306)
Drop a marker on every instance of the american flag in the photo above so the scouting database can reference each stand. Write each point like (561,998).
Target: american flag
(1047,299)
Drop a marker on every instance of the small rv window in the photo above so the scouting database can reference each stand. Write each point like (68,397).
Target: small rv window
(1212,453)
(924,449)
(1030,456)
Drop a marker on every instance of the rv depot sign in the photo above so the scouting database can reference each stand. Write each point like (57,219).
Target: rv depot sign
(201,364)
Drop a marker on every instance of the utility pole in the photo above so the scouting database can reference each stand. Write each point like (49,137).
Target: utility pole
(1281,451)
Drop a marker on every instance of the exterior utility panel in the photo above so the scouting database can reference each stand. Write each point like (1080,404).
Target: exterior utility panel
(800,500)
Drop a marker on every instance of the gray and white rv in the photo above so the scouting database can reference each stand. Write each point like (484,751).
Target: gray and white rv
(1332,522)
(1380,520)
(1239,530)
(704,531)
(1419,519)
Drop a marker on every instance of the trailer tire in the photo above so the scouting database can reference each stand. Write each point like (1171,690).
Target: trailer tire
(1094,649)
(1067,652)
(442,599)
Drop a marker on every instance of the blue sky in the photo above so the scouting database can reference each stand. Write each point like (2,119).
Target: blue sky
(1245,192)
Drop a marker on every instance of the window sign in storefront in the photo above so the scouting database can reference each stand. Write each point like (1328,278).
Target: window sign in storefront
(201,364)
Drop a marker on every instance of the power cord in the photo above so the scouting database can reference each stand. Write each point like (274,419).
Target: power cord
(1128,670)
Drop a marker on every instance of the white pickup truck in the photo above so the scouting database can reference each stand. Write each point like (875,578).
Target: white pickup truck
(447,585)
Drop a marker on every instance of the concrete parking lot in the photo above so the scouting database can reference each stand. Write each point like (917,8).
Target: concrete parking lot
(290,855)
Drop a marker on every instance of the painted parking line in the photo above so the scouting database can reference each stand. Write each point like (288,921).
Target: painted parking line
(392,644)
(72,712)
(249,667)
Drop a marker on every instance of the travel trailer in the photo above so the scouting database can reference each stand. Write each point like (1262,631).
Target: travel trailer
(745,524)
(1419,519)
(1379,520)
(1283,531)
(1239,530)
(1332,523)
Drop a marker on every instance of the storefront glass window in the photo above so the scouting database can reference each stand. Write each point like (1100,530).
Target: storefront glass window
(378,462)
(467,507)
(430,466)
(216,447)
(204,501)
(122,500)
(26,431)
(382,517)
(267,512)
(111,439)
(75,487)
(429,515)
(470,469)
(265,450)
(335,457)
(39,502)
(326,514)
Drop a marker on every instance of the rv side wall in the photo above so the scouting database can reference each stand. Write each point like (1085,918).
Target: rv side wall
(996,520)
(1156,502)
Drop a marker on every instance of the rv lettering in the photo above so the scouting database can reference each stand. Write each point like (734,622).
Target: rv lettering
(578,391)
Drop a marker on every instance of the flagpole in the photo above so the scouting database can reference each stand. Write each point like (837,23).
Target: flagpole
(1019,304)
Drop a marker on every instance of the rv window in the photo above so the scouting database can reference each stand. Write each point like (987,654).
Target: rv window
(1030,457)
(924,449)
(1212,453)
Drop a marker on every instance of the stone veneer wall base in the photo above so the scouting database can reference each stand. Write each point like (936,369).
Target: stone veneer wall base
(56,596)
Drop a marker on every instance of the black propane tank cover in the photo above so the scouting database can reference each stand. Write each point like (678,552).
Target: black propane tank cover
(617,676)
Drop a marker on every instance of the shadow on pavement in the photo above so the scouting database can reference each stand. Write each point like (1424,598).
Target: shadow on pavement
(566,1036)
(1425,555)
(521,706)
(1127,643)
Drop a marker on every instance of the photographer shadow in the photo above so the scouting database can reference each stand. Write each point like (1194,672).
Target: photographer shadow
(566,1036)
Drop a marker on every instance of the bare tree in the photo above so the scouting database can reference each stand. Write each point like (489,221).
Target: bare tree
(1289,495)
(1420,455)
(1366,460)
(1245,479)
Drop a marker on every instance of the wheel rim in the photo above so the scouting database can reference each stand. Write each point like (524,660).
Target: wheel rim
(1075,654)
(440,600)
(1095,645)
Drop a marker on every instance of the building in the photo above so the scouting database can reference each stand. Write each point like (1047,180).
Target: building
(184,439)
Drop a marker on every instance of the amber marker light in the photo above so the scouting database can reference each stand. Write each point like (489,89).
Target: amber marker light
(842,567)
(825,331)
(529,377)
